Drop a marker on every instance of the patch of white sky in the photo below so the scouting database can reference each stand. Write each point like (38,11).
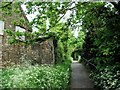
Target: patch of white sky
(63,19)
(29,16)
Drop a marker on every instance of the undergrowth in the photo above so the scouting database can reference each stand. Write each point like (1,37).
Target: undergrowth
(44,77)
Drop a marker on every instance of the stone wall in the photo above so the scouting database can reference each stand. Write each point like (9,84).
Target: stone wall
(38,53)
(1,50)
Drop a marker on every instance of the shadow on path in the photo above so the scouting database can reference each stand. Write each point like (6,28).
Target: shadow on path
(80,77)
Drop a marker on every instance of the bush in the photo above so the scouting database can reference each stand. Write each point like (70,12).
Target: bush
(36,77)
(107,79)
(101,47)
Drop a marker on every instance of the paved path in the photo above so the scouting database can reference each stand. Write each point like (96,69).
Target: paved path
(80,77)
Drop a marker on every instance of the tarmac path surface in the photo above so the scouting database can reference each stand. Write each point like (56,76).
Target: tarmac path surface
(80,77)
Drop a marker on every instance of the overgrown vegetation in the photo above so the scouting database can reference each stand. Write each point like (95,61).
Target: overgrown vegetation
(107,78)
(101,47)
(98,21)
(43,77)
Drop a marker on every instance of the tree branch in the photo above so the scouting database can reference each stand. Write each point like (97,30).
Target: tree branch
(65,13)
(42,39)
(114,4)
(4,6)
(117,6)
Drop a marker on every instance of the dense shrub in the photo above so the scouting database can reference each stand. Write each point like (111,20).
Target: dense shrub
(101,48)
(36,77)
(107,79)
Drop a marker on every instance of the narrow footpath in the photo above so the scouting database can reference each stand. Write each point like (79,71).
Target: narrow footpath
(80,77)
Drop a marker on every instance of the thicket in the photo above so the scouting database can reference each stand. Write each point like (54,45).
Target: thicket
(101,47)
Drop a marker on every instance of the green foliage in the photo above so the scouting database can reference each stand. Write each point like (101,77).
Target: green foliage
(101,44)
(60,52)
(59,32)
(107,78)
(43,77)
(100,22)
(7,9)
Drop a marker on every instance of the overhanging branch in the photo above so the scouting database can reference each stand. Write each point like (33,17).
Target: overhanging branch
(116,5)
(4,6)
